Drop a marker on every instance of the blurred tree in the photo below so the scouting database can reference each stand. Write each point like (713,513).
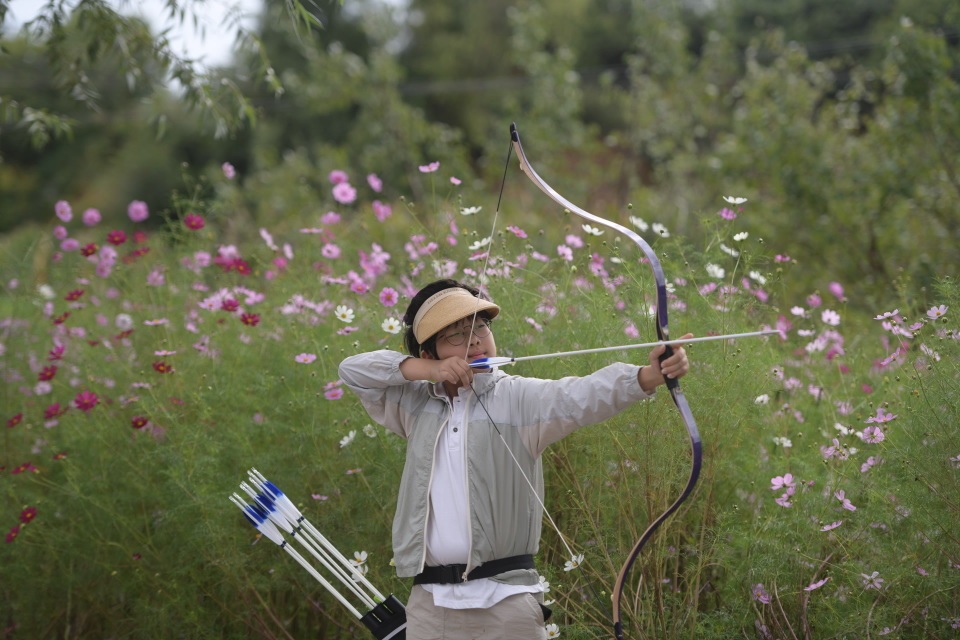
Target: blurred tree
(76,38)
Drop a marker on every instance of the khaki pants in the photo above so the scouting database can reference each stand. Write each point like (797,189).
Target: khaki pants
(517,617)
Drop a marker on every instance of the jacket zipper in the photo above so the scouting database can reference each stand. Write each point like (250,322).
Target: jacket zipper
(466,482)
(426,521)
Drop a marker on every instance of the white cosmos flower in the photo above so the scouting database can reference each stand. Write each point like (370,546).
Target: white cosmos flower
(359,557)
(758,277)
(479,244)
(46,292)
(369,431)
(553,631)
(391,325)
(762,399)
(573,563)
(639,223)
(347,439)
(544,585)
(734,199)
(729,251)
(345,313)
(843,429)
(660,230)
(783,442)
(930,352)
(715,271)
(740,237)
(593,231)
(359,571)
(469,211)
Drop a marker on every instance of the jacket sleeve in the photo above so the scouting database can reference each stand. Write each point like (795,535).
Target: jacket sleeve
(548,410)
(376,379)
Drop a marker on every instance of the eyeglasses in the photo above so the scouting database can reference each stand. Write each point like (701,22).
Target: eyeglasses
(457,335)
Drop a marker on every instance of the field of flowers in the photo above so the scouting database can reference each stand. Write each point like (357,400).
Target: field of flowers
(147,364)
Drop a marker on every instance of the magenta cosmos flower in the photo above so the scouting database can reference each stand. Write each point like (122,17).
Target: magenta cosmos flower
(86,400)
(193,221)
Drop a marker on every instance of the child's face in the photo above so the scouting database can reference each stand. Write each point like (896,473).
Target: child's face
(458,340)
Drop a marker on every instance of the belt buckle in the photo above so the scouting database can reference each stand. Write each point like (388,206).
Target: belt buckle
(453,574)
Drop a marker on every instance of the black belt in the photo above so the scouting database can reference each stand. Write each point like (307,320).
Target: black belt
(453,573)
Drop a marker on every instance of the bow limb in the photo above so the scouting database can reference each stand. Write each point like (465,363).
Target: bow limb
(663,333)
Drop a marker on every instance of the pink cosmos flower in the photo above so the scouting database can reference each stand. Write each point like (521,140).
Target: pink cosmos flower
(333,394)
(784,481)
(138,211)
(872,581)
(330,217)
(382,211)
(330,251)
(429,168)
(338,177)
(60,232)
(305,358)
(91,217)
(845,502)
(228,171)
(389,297)
(831,526)
(375,183)
(881,417)
(455,181)
(156,278)
(70,244)
(816,585)
(936,312)
(873,435)
(63,210)
(517,231)
(727,214)
(344,193)
(760,594)
(837,290)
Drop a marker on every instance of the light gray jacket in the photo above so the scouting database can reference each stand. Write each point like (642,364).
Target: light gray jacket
(530,413)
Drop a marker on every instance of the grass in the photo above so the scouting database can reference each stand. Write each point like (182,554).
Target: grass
(133,535)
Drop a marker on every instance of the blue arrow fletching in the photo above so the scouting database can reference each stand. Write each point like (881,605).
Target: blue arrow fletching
(487,363)
(272,488)
(253,515)
(266,502)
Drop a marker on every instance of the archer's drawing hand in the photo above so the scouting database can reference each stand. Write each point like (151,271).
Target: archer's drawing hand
(453,370)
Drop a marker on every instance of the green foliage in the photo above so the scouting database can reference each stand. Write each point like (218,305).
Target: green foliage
(133,535)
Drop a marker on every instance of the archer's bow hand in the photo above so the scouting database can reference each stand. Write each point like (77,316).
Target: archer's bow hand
(674,366)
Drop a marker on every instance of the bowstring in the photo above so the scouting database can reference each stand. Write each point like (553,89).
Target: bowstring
(473,319)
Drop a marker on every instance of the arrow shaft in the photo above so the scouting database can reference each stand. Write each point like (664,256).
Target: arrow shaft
(731,336)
